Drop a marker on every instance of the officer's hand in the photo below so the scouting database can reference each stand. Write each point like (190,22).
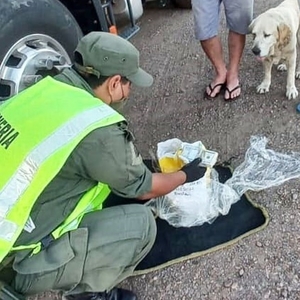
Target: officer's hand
(193,171)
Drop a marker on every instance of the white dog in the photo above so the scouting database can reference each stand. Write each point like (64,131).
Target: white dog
(275,34)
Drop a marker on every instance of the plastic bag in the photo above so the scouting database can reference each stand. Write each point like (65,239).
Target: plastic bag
(264,168)
(193,204)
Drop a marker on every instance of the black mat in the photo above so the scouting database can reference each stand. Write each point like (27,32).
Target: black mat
(176,244)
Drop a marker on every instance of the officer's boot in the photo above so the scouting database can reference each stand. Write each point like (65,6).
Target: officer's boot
(114,294)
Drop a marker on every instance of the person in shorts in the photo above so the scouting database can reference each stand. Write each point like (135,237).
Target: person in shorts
(239,14)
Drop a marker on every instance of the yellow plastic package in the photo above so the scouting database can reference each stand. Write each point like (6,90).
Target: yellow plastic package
(171,164)
(173,154)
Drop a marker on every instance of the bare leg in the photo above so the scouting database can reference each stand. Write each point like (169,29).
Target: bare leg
(213,49)
(236,44)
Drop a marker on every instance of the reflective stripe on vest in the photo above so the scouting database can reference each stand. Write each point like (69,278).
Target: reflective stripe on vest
(39,128)
(91,201)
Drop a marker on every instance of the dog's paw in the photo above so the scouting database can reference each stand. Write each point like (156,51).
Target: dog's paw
(263,88)
(291,92)
(297,75)
(282,67)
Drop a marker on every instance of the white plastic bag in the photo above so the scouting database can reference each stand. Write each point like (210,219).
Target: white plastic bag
(195,203)
(203,201)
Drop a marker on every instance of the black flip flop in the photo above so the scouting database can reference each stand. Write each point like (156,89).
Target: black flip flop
(211,90)
(230,92)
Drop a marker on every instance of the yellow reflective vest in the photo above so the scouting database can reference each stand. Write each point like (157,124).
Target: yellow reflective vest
(39,128)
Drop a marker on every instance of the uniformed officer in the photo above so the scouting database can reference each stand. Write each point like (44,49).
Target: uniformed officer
(71,150)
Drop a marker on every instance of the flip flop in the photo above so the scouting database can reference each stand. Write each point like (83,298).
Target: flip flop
(211,90)
(230,93)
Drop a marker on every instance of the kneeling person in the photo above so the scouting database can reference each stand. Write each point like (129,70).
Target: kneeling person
(72,149)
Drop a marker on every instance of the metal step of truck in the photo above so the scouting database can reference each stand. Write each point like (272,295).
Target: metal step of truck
(128,32)
(107,21)
(7,293)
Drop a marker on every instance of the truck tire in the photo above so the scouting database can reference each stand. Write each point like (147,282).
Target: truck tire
(37,38)
(187,4)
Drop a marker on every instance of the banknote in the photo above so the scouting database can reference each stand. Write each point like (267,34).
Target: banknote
(209,158)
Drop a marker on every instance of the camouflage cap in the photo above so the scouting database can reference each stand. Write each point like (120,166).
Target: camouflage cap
(107,54)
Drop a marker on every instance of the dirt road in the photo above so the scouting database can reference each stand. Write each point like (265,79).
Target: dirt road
(265,265)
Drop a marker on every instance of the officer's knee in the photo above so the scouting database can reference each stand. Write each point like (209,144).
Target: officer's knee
(149,227)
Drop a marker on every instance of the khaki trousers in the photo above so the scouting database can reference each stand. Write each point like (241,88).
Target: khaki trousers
(97,256)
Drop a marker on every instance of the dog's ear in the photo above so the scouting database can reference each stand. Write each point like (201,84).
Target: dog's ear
(250,27)
(284,35)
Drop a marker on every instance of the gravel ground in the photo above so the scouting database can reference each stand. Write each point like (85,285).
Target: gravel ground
(265,265)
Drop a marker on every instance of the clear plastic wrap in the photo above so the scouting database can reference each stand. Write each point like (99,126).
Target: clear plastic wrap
(193,204)
(264,168)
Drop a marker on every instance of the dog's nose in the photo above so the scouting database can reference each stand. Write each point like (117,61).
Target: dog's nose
(256,50)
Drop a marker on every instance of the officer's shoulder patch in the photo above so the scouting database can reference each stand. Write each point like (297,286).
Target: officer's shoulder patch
(136,158)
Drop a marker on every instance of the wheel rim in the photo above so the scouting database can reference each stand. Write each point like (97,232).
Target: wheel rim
(29,60)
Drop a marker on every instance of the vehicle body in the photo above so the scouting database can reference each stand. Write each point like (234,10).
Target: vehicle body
(38,37)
